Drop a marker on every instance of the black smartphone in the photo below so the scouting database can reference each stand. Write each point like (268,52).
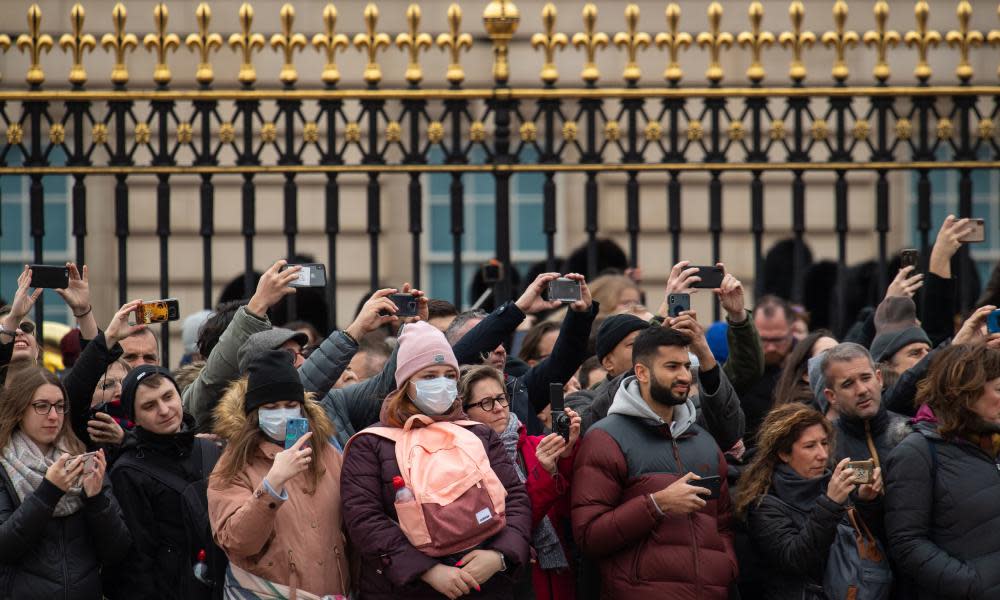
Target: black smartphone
(492,271)
(711,277)
(560,421)
(565,290)
(158,311)
(49,276)
(678,303)
(978,232)
(713,483)
(908,258)
(311,275)
(406,303)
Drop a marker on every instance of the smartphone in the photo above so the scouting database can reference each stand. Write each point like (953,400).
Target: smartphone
(157,311)
(565,290)
(908,258)
(712,483)
(295,428)
(678,303)
(49,276)
(406,303)
(492,271)
(711,277)
(87,458)
(560,420)
(311,275)
(993,322)
(977,234)
(864,470)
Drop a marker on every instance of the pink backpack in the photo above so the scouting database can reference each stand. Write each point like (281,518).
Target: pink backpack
(459,500)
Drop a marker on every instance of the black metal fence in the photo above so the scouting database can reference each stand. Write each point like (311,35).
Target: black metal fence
(247,132)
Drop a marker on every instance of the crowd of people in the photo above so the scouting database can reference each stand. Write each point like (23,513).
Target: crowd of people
(544,449)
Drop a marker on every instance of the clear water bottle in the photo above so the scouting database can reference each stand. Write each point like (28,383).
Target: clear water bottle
(201,569)
(403,493)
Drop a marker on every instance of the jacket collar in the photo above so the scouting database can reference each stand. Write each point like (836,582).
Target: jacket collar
(797,491)
(175,445)
(855,426)
(629,402)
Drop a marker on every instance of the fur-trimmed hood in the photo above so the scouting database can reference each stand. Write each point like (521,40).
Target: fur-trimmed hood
(230,418)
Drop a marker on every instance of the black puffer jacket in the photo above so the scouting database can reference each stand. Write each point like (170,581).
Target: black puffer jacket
(47,558)
(793,528)
(943,515)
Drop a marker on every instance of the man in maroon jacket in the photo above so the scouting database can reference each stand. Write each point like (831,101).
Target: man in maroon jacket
(642,515)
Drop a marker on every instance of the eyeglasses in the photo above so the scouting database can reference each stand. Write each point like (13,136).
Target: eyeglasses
(43,408)
(487,403)
(108,383)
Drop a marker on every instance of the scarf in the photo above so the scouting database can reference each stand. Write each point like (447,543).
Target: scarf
(797,491)
(26,466)
(544,539)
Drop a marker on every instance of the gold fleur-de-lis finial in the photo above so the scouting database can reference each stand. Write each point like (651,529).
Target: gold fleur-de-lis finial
(329,42)
(414,41)
(549,42)
(964,39)
(454,42)
(77,43)
(247,42)
(674,41)
(796,39)
(715,40)
(288,42)
(757,40)
(161,42)
(120,43)
(923,39)
(34,43)
(882,39)
(371,42)
(632,40)
(204,42)
(590,41)
(840,40)
(994,38)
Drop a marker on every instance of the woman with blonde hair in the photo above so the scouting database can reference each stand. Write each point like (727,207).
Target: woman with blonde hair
(59,522)
(275,511)
(793,502)
(616,293)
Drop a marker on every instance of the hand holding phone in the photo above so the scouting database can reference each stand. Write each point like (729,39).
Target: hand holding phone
(311,275)
(908,257)
(678,303)
(407,305)
(295,428)
(565,290)
(711,277)
(977,233)
(712,483)
(993,322)
(156,311)
(49,276)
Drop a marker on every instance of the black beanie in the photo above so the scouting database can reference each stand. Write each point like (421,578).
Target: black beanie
(614,329)
(271,377)
(131,384)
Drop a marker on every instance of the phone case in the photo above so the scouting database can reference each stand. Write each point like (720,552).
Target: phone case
(711,277)
(993,322)
(406,303)
(678,303)
(311,275)
(565,290)
(295,429)
(158,311)
(49,276)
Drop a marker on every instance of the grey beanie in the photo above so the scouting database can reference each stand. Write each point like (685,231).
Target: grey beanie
(817,382)
(263,341)
(896,326)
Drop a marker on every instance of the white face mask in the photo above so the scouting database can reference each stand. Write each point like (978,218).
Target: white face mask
(272,421)
(435,396)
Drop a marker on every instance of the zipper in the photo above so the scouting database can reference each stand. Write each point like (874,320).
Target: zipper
(690,519)
(62,553)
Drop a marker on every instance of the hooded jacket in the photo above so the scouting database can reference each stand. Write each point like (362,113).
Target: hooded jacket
(642,552)
(298,542)
(44,557)
(391,567)
(942,515)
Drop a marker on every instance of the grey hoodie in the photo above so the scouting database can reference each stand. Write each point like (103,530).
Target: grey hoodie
(628,401)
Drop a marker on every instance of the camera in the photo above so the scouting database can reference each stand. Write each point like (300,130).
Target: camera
(560,420)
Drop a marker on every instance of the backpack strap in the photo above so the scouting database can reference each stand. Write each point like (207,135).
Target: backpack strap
(170,480)
(209,454)
(389,433)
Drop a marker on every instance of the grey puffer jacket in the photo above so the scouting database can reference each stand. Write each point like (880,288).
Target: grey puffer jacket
(357,406)
(943,514)
(43,557)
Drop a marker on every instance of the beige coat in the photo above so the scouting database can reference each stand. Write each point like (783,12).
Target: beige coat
(299,542)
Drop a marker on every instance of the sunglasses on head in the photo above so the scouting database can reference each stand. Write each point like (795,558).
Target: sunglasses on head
(27,327)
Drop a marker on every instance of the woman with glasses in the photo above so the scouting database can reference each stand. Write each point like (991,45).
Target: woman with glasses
(544,464)
(59,523)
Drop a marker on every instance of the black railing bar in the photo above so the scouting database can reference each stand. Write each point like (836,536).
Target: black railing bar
(515,168)
(501,94)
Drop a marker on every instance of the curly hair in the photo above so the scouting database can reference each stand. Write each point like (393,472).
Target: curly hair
(779,432)
(955,380)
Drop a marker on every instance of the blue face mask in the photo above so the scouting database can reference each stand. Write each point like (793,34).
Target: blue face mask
(272,421)
(435,396)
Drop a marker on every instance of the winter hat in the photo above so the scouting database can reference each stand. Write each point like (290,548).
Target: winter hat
(421,345)
(189,330)
(717,342)
(614,329)
(271,377)
(131,384)
(817,382)
(263,341)
(895,327)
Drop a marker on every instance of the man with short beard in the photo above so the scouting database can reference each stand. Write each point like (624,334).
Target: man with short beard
(642,515)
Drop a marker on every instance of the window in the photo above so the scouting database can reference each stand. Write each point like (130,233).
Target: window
(16,244)
(479,239)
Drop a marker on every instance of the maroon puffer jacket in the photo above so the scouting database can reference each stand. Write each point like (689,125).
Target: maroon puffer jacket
(643,553)
(390,566)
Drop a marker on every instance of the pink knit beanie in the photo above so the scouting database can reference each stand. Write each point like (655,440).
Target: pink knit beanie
(421,345)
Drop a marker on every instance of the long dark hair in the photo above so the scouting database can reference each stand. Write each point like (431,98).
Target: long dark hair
(790,387)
